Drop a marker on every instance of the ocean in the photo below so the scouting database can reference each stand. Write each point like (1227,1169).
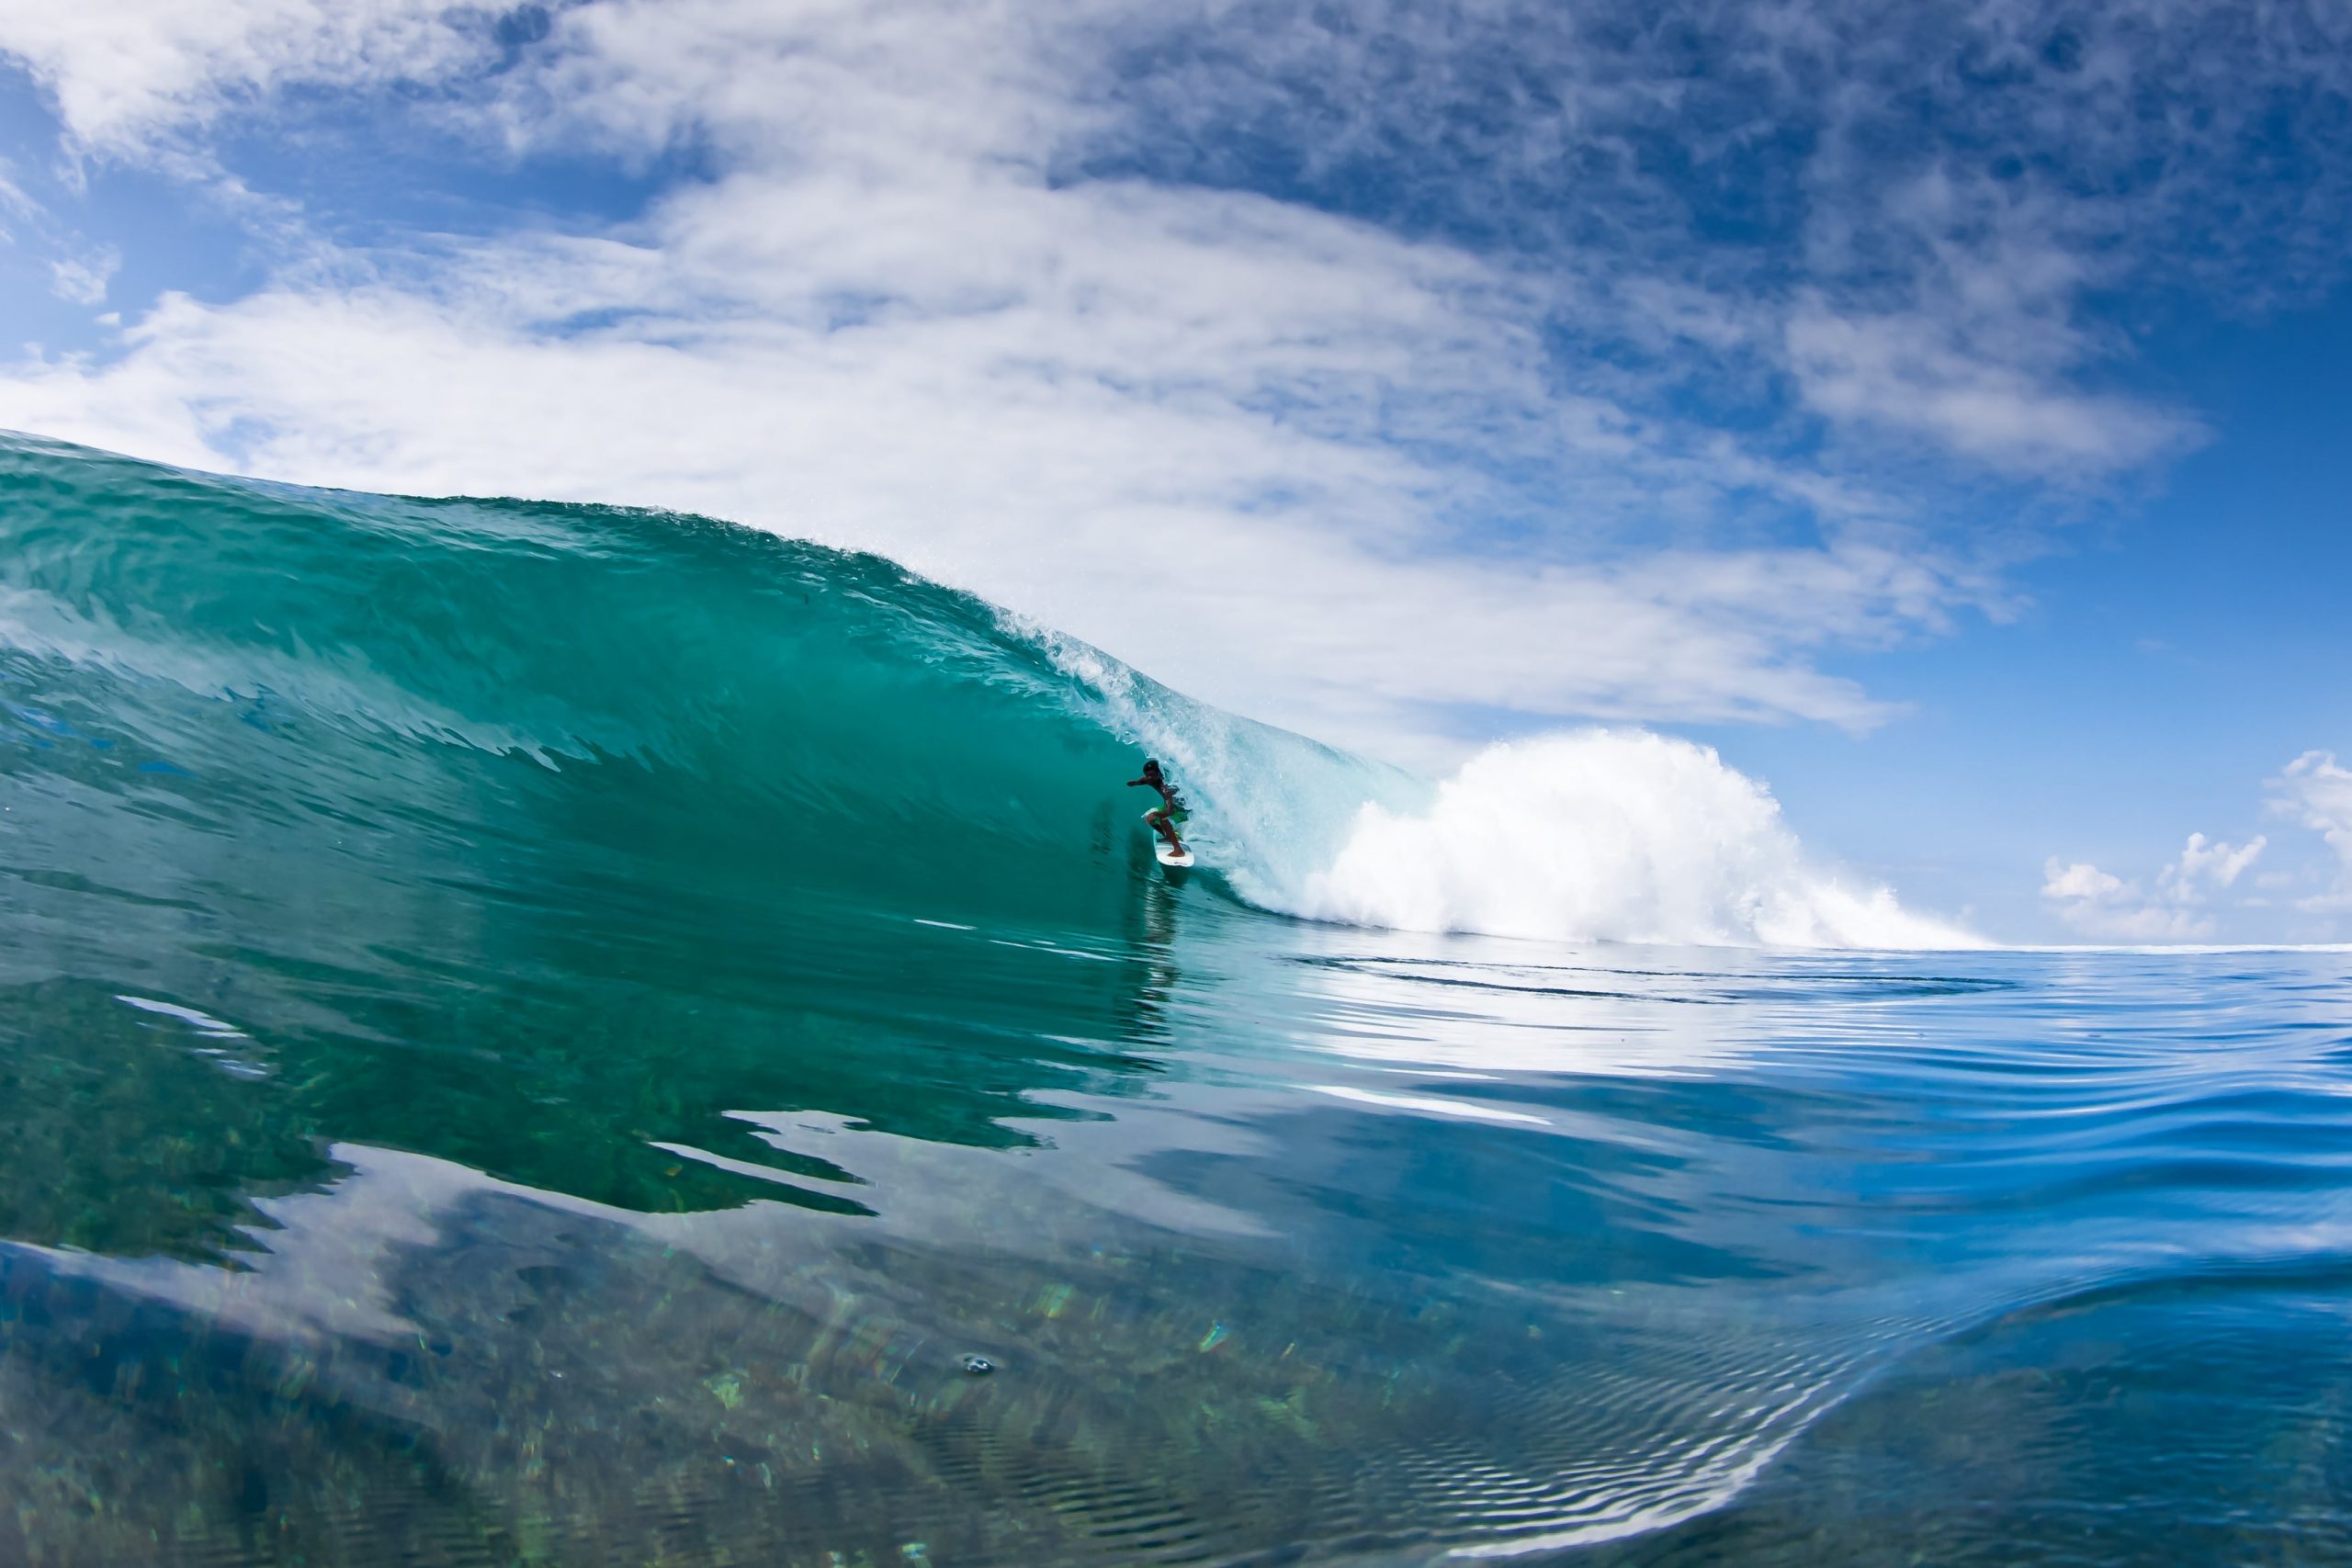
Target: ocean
(555,1035)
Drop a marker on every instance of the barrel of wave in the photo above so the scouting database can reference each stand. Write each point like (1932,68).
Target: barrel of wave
(1605,835)
(1270,807)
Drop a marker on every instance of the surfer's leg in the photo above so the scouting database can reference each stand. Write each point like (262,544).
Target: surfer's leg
(1161,826)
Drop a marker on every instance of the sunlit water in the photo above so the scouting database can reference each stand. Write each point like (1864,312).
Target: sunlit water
(516,1051)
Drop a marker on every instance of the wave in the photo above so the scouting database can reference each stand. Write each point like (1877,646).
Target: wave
(1607,835)
(401,692)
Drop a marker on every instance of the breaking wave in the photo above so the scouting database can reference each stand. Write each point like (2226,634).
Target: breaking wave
(404,698)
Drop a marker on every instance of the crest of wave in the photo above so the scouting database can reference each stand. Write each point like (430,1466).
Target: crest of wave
(1605,835)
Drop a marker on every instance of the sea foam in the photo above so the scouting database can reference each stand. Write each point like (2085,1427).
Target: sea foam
(1605,835)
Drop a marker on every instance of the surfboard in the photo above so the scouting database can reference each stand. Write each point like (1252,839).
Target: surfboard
(1165,856)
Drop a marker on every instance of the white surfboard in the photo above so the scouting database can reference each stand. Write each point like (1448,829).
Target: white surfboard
(1172,859)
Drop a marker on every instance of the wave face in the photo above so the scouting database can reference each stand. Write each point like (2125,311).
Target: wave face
(673,699)
(688,705)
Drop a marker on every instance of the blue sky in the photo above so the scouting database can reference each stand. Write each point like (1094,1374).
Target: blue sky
(1927,405)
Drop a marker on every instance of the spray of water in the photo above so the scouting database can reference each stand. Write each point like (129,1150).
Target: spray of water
(1604,835)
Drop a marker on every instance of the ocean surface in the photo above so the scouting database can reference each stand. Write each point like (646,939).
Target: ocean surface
(548,1034)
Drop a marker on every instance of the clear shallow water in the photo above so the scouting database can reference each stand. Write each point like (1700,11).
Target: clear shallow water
(505,1062)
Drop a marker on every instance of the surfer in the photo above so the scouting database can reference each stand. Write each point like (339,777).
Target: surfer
(1163,818)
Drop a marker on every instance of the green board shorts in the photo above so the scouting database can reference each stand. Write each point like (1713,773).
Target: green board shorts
(1175,811)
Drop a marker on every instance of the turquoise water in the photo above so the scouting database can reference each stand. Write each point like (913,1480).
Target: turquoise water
(541,1034)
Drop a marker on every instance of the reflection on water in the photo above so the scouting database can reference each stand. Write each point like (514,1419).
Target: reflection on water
(1281,1240)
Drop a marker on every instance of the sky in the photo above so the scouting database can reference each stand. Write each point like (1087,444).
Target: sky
(1931,406)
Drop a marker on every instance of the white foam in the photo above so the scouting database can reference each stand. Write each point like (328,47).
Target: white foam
(203,1023)
(1605,835)
(1428,1104)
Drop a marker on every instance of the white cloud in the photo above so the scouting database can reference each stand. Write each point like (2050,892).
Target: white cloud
(2217,864)
(2315,791)
(2100,903)
(82,280)
(126,71)
(2303,878)
(1206,430)
(13,199)
(2082,881)
(952,291)
(1914,373)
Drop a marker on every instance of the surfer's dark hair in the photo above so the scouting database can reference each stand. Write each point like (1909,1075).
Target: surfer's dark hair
(1151,765)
